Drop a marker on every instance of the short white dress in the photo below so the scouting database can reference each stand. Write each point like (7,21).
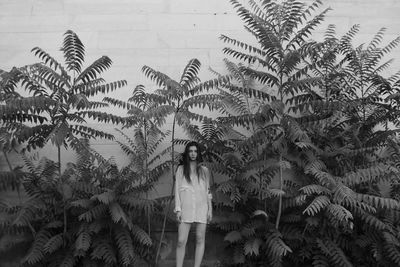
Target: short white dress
(191,199)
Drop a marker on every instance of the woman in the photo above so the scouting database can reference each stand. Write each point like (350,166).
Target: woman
(192,202)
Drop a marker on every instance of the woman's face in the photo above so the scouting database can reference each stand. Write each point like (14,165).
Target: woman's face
(192,153)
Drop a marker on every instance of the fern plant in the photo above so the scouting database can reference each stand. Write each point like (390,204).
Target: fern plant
(358,157)
(60,98)
(276,61)
(147,163)
(12,178)
(307,128)
(177,98)
(103,225)
(147,136)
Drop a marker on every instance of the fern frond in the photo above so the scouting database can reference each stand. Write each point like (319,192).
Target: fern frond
(276,247)
(33,104)
(96,68)
(252,246)
(36,254)
(247,47)
(314,189)
(251,92)
(158,112)
(370,219)
(201,101)
(141,236)
(54,243)
(378,202)
(86,188)
(124,243)
(46,75)
(208,85)
(104,88)
(340,215)
(263,77)
(159,78)
(305,32)
(189,76)
(118,214)
(69,260)
(83,241)
(119,103)
(90,132)
(105,252)
(318,204)
(94,213)
(370,174)
(391,247)
(334,252)
(28,212)
(74,51)
(105,197)
(49,60)
(233,236)
(101,117)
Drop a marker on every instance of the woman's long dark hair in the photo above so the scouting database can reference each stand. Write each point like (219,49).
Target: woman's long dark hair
(185,161)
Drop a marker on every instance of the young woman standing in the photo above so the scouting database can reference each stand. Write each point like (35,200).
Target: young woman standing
(192,202)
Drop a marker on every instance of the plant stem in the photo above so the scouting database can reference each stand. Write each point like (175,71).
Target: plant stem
(65,218)
(145,129)
(8,161)
(278,217)
(64,200)
(59,159)
(172,189)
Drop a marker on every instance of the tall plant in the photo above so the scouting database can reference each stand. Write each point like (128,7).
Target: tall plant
(277,62)
(12,178)
(359,155)
(308,133)
(147,164)
(177,98)
(60,98)
(103,222)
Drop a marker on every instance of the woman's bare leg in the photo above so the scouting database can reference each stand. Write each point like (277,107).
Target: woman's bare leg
(183,232)
(200,241)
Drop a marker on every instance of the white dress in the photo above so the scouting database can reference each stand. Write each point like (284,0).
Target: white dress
(191,199)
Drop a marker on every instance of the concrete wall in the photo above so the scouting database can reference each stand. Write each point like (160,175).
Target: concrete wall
(164,34)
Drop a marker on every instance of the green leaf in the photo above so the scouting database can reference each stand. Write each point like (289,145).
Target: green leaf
(53,244)
(118,214)
(318,204)
(74,51)
(83,241)
(233,236)
(252,246)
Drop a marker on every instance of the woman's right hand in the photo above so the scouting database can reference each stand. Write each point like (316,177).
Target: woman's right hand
(179,216)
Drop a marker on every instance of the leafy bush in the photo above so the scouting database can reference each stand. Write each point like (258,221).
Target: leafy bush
(91,215)
(59,101)
(312,144)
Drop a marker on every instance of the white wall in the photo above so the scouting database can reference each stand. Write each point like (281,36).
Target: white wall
(164,34)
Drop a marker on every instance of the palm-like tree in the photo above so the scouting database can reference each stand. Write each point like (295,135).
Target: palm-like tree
(146,164)
(88,216)
(60,98)
(277,62)
(309,128)
(177,98)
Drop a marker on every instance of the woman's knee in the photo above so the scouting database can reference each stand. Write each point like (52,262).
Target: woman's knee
(181,242)
(200,238)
